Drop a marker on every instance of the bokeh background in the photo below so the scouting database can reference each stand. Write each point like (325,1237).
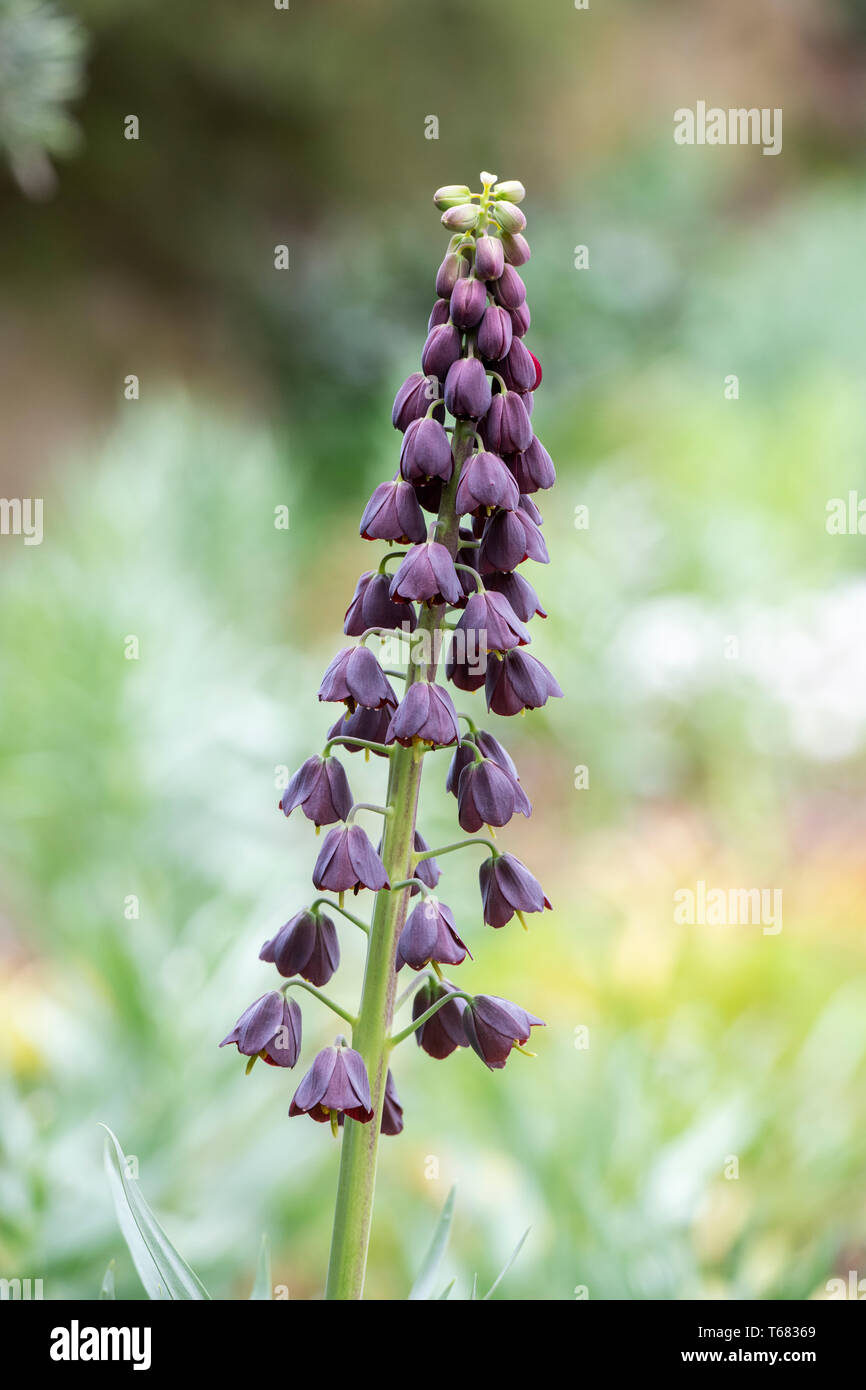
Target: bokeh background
(260,388)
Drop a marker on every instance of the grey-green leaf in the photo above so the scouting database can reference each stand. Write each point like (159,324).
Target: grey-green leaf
(164,1274)
(423,1286)
(107,1290)
(263,1288)
(508,1263)
(446,1292)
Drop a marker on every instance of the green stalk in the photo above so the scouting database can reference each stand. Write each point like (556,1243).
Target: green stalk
(370,1037)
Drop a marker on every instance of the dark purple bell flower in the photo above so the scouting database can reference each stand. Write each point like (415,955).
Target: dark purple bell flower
(438,314)
(495,334)
(392,1110)
(427,573)
(519,592)
(467,390)
(488,795)
(413,399)
(369,724)
(372,606)
(509,289)
(491,616)
(441,348)
(506,428)
(485,482)
(425,713)
(426,452)
(443,1033)
(321,789)
(530,509)
(430,934)
(464,755)
(269,1028)
(533,469)
(494,1026)
(509,539)
(452,269)
(347,860)
(465,674)
(393,514)
(356,677)
(335,1087)
(468,302)
(507,887)
(307,946)
(517,681)
(516,248)
(528,400)
(520,320)
(521,366)
(489,258)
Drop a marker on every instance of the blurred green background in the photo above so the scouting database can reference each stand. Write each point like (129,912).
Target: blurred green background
(739,763)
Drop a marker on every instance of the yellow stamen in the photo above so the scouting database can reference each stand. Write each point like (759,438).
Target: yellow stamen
(522,920)
(524,1050)
(335,1123)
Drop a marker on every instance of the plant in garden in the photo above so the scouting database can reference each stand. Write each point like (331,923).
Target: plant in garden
(459,520)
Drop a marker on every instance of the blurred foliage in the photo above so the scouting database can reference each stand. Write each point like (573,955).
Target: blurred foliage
(156,777)
(41,58)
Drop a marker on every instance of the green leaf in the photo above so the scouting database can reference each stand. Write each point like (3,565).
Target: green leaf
(446,1292)
(423,1286)
(107,1290)
(164,1274)
(508,1263)
(473,1293)
(263,1288)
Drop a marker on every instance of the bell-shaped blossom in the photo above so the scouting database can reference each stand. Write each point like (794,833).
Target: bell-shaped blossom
(443,1033)
(307,946)
(533,469)
(467,389)
(427,714)
(426,574)
(335,1088)
(429,935)
(493,620)
(488,795)
(321,789)
(355,677)
(468,302)
(489,258)
(426,452)
(442,347)
(393,514)
(507,887)
(516,680)
(347,860)
(269,1028)
(485,482)
(506,427)
(495,333)
(413,399)
(510,537)
(509,289)
(465,754)
(494,1026)
(372,606)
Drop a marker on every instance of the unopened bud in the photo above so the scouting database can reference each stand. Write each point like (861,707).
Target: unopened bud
(509,217)
(463,217)
(512,189)
(451,195)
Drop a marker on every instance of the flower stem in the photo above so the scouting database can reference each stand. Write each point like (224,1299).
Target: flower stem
(354,1205)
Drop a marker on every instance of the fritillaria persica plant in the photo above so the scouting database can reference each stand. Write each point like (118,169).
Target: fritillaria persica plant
(459,520)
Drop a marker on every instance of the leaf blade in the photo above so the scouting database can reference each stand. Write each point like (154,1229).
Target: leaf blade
(163,1272)
(423,1285)
(262,1287)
